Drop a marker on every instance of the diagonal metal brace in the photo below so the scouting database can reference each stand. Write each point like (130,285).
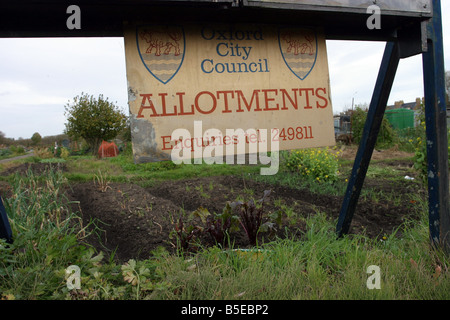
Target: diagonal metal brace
(388,69)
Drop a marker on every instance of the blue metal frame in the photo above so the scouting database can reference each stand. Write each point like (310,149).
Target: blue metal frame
(405,45)
(436,123)
(437,141)
(5,228)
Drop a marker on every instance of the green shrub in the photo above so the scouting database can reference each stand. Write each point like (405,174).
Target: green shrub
(5,152)
(386,137)
(43,153)
(320,165)
(17,150)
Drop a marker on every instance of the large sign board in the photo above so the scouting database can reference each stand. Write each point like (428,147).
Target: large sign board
(213,89)
(181,76)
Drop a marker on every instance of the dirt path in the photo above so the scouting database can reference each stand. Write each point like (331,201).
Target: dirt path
(17,158)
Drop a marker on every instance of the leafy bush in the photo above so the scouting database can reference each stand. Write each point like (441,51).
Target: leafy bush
(320,165)
(47,153)
(386,137)
(36,138)
(17,150)
(65,153)
(94,120)
(5,152)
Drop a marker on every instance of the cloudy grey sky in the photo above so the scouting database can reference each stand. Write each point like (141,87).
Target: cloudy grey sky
(39,76)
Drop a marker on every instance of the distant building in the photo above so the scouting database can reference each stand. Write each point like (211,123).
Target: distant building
(402,105)
(401,115)
(404,119)
(416,107)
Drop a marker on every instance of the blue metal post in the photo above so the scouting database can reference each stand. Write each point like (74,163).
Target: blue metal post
(437,141)
(5,228)
(372,127)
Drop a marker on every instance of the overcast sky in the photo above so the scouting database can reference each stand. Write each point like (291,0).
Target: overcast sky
(39,76)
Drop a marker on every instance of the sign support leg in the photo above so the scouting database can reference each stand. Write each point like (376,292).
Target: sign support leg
(5,228)
(436,129)
(372,127)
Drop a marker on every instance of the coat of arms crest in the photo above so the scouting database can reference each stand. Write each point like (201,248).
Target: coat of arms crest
(161,49)
(299,49)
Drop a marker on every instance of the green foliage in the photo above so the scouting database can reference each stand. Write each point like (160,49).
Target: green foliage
(127,164)
(185,232)
(317,267)
(320,165)
(163,170)
(2,137)
(420,151)
(386,136)
(48,238)
(218,226)
(45,235)
(52,160)
(36,139)
(420,158)
(419,146)
(138,275)
(94,120)
(17,150)
(5,153)
(252,216)
(12,151)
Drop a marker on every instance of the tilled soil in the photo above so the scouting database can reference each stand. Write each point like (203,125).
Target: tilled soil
(135,220)
(132,221)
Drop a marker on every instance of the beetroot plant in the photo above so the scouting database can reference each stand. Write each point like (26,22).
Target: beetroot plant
(218,226)
(251,216)
(185,233)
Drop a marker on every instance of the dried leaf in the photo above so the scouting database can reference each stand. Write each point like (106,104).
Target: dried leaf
(202,213)
(130,277)
(128,272)
(438,271)
(192,267)
(413,263)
